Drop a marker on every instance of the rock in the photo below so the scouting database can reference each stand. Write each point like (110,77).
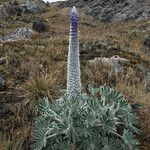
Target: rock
(115,62)
(2,83)
(110,61)
(114,10)
(18,10)
(39,26)
(19,34)
(118,61)
(32,6)
(10,9)
(135,105)
(96,60)
(3,12)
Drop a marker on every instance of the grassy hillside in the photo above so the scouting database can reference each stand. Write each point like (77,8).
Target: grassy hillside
(37,68)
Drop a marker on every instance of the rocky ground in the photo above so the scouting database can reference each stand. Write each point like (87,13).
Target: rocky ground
(33,54)
(114,10)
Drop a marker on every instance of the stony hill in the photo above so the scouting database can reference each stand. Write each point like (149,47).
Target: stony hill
(115,10)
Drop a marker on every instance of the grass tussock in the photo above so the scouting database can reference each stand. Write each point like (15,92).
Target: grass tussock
(44,83)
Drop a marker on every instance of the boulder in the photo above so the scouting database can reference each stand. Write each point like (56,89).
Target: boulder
(115,62)
(39,26)
(19,34)
(31,6)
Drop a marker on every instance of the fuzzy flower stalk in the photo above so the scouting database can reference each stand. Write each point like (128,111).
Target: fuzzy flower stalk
(73,66)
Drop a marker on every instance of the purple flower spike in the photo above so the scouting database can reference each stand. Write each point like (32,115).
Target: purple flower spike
(73,72)
(73,22)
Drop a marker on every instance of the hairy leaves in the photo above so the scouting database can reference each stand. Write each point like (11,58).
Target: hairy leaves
(103,120)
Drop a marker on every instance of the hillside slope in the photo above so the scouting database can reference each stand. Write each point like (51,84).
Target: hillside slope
(36,68)
(115,10)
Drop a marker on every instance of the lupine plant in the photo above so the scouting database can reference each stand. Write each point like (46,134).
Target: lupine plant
(102,120)
(73,77)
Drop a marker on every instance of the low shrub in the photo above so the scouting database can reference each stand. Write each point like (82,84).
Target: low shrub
(102,120)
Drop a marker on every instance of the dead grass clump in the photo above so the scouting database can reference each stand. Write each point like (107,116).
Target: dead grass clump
(42,85)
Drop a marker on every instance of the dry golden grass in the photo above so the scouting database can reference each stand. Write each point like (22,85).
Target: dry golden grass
(37,68)
(44,83)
